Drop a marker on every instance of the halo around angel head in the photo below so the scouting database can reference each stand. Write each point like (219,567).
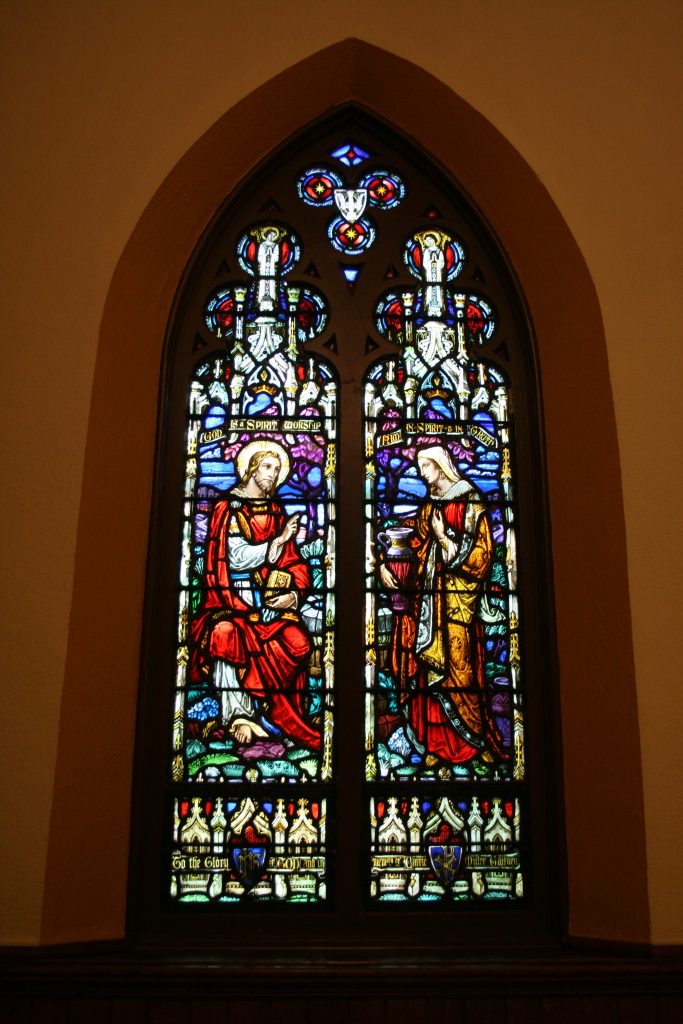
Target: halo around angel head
(263,445)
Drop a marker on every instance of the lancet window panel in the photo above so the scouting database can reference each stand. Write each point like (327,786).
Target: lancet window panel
(254,702)
(443,668)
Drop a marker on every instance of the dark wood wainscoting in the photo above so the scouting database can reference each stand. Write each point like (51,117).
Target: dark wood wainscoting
(79,986)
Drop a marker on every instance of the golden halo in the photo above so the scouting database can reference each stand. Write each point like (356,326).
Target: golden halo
(262,445)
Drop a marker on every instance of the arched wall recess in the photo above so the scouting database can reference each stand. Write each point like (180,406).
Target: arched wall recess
(569,333)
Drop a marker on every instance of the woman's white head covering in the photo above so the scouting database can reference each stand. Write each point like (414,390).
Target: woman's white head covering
(442,458)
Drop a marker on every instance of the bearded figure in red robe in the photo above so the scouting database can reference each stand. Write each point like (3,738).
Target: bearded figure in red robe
(250,639)
(438,654)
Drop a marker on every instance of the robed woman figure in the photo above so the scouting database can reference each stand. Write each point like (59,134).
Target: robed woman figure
(438,643)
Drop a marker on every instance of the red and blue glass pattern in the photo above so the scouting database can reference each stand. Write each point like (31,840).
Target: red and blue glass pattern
(316,187)
(400,314)
(352,232)
(384,190)
(480,318)
(268,250)
(233,309)
(351,238)
(350,154)
(432,254)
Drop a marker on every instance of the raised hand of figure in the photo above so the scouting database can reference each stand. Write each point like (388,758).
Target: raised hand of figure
(291,526)
(438,525)
(387,577)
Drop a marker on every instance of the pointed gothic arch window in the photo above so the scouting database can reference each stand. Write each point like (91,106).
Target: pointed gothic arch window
(347,642)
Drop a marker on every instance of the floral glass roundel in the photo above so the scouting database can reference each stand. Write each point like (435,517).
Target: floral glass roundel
(351,238)
(316,187)
(385,190)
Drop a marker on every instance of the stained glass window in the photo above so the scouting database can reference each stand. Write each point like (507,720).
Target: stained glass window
(444,720)
(349,668)
(255,679)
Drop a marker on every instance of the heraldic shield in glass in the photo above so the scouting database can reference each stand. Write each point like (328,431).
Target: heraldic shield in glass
(444,722)
(253,715)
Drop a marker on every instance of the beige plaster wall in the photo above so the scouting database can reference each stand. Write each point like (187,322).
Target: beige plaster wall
(101,101)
